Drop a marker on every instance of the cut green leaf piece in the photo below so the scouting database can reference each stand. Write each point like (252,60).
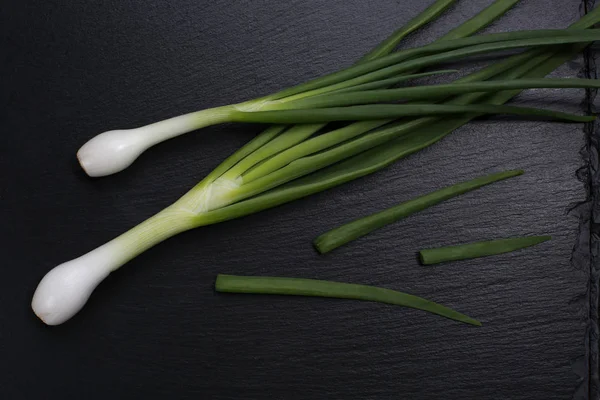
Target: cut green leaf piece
(478,249)
(362,226)
(320,288)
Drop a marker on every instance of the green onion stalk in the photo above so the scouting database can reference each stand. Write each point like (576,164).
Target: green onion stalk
(478,249)
(285,163)
(320,288)
(353,230)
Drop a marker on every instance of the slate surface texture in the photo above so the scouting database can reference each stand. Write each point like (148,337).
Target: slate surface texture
(157,329)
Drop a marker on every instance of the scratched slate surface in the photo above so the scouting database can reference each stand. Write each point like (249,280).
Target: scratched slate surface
(156,328)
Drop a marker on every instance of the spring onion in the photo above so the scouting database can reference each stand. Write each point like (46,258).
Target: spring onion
(113,151)
(320,288)
(223,195)
(478,249)
(353,230)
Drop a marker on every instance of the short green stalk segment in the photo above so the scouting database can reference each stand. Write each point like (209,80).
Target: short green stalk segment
(478,249)
(362,226)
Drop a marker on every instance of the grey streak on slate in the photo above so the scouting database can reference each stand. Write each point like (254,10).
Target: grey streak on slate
(156,329)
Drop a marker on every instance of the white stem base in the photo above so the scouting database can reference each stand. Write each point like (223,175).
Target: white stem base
(113,151)
(65,289)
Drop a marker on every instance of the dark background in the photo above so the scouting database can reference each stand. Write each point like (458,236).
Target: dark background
(156,328)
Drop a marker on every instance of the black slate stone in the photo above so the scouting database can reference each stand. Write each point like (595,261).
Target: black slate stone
(157,329)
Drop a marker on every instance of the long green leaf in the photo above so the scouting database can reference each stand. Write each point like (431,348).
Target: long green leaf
(294,135)
(435,53)
(481,20)
(428,15)
(384,111)
(384,83)
(432,92)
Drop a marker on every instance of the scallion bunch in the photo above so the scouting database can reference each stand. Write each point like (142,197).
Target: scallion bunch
(285,163)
